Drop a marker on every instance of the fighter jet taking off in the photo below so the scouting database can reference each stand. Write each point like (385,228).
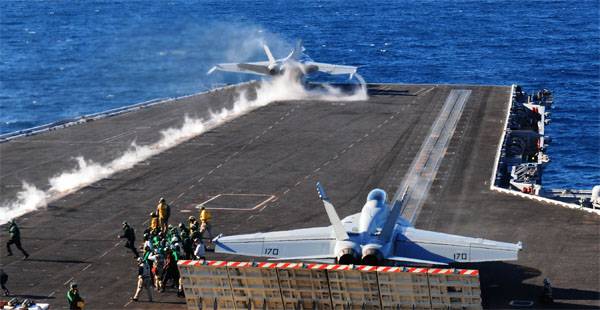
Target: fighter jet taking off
(294,61)
(375,236)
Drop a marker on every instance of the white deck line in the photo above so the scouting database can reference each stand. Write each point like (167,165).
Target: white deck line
(423,169)
(493,187)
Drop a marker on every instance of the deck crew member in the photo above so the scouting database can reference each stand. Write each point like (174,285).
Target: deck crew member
(170,271)
(129,234)
(75,301)
(200,251)
(205,218)
(15,237)
(191,221)
(3,280)
(547,297)
(144,280)
(164,211)
(154,225)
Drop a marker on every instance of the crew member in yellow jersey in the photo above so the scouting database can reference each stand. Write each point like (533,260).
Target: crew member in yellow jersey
(154,225)
(205,218)
(164,211)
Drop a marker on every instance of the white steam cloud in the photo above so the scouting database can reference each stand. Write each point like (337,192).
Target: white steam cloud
(285,87)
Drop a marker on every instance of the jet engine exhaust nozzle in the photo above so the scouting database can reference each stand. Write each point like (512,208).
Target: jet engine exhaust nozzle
(372,257)
(348,256)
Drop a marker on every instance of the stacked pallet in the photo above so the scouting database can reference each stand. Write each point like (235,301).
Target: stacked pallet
(247,285)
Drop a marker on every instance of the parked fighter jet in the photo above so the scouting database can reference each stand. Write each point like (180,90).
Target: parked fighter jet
(374,236)
(293,61)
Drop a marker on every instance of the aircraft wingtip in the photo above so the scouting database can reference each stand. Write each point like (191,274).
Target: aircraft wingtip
(216,239)
(321,192)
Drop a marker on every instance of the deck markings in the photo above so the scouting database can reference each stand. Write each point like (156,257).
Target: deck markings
(257,206)
(336,156)
(423,91)
(116,136)
(243,147)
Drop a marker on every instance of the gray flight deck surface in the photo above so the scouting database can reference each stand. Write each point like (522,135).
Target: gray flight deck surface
(281,150)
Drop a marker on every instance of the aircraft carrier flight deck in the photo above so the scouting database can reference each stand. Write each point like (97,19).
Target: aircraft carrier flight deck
(258,171)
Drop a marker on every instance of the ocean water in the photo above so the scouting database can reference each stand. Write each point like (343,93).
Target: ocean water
(63,59)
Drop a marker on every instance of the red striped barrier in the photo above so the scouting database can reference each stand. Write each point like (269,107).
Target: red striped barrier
(333,267)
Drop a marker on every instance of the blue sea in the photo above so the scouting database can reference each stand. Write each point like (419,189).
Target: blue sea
(63,59)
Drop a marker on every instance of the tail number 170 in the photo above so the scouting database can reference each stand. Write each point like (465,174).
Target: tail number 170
(460,256)
(271,251)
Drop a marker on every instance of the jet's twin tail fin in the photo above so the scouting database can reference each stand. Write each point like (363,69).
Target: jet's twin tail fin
(336,223)
(387,233)
(298,50)
(269,55)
